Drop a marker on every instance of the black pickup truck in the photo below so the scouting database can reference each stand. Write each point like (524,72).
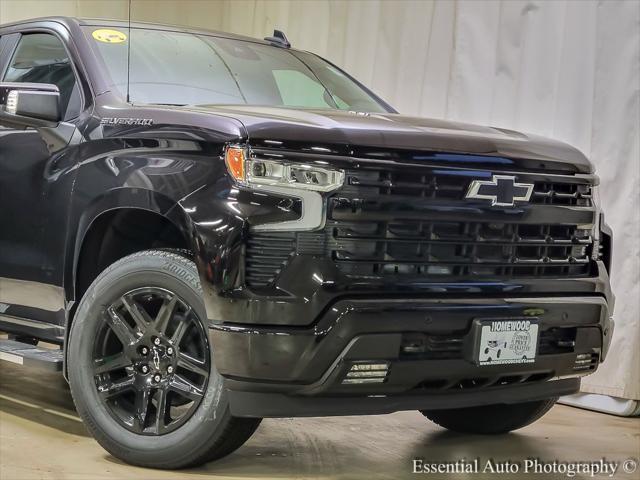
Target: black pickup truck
(216,229)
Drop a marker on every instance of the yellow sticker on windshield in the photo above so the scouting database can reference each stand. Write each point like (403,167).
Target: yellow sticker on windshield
(106,35)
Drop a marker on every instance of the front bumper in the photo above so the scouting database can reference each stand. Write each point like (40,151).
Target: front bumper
(278,405)
(293,371)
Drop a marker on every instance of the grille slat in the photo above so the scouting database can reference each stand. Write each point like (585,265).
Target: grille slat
(529,242)
(451,185)
(456,248)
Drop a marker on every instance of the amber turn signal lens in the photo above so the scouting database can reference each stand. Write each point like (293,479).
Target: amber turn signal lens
(235,159)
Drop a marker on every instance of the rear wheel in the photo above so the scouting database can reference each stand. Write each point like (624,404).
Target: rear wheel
(490,419)
(141,370)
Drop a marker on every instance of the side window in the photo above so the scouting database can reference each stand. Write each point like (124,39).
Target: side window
(41,58)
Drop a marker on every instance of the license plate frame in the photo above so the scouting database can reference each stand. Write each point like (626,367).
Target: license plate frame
(505,341)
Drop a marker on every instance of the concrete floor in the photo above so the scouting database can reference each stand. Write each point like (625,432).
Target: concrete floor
(42,437)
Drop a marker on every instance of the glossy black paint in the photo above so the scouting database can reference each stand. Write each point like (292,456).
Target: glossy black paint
(173,167)
(377,324)
(394,137)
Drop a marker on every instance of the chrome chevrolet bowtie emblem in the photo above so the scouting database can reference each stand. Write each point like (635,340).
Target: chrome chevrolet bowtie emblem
(502,190)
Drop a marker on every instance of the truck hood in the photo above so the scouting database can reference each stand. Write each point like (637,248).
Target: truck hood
(362,135)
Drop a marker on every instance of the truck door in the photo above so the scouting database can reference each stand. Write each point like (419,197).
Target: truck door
(30,274)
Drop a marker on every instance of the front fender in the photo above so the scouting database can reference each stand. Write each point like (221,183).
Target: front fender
(147,174)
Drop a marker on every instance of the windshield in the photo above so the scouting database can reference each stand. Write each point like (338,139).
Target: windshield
(187,69)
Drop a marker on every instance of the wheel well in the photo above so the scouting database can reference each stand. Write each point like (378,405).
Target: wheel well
(118,233)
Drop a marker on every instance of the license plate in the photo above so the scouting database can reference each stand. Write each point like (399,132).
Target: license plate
(507,341)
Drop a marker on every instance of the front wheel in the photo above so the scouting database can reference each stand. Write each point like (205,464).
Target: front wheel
(490,419)
(141,370)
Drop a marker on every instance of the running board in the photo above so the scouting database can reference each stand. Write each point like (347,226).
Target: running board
(31,356)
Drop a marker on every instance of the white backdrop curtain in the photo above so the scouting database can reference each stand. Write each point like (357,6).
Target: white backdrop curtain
(566,69)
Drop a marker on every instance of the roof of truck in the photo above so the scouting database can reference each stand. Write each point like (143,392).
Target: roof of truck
(134,24)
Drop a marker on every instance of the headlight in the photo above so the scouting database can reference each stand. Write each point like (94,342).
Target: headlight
(251,171)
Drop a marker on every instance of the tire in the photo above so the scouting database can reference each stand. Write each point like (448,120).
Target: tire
(490,419)
(175,414)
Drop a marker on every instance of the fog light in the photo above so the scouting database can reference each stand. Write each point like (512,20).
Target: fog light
(367,372)
(585,361)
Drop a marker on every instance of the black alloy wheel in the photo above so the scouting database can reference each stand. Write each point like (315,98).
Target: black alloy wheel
(151,361)
(141,366)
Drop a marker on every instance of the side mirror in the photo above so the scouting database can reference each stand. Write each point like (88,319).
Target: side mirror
(24,105)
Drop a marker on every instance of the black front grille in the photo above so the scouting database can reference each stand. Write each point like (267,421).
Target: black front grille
(417,223)
(557,340)
(452,186)
(423,346)
(457,249)
(410,225)
(266,255)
